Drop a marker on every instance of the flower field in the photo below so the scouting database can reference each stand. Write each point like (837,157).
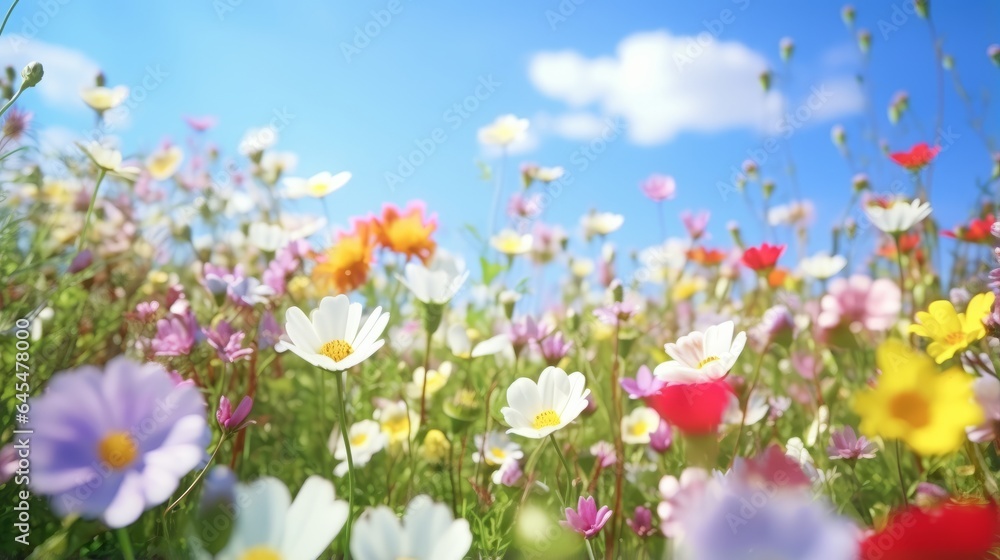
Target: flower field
(208,359)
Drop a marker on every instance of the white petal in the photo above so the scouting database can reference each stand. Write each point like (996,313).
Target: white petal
(313,521)
(300,330)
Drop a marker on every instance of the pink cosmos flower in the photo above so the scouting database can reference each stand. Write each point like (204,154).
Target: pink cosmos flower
(859,300)
(586,519)
(554,348)
(230,419)
(662,438)
(695,224)
(845,444)
(644,385)
(201,124)
(659,188)
(641,522)
(227,342)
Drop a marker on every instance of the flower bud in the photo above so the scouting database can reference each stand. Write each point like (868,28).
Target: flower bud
(922,7)
(765,80)
(32,74)
(838,135)
(847,14)
(864,40)
(786,48)
(993,51)
(860,182)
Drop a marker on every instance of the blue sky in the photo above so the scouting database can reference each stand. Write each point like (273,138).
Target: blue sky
(548,61)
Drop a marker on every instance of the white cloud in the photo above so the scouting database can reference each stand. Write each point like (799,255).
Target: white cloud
(577,125)
(67,71)
(663,85)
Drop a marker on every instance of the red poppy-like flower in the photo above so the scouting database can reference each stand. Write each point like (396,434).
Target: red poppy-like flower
(953,531)
(693,408)
(764,257)
(918,156)
(978,231)
(909,242)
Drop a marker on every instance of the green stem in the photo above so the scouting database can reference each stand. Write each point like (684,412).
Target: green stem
(899,471)
(565,464)
(7,17)
(90,210)
(590,549)
(350,462)
(222,440)
(321,387)
(746,405)
(902,274)
(12,99)
(124,541)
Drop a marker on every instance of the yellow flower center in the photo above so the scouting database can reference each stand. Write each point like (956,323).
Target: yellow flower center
(498,453)
(545,419)
(359,440)
(397,427)
(955,338)
(261,553)
(117,449)
(639,428)
(912,408)
(707,361)
(336,350)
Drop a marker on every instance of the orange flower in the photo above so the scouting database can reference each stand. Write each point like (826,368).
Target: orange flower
(706,257)
(406,232)
(910,242)
(776,278)
(345,265)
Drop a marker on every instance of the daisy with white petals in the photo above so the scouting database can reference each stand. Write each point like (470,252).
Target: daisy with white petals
(538,409)
(896,215)
(702,357)
(317,186)
(822,266)
(366,439)
(427,532)
(496,448)
(438,282)
(331,338)
(270,525)
(639,424)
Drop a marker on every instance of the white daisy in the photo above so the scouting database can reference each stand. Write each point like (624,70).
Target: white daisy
(436,379)
(822,266)
(439,282)
(427,532)
(549,174)
(897,215)
(461,345)
(109,159)
(505,130)
(399,423)
(269,525)
(509,242)
(317,186)
(267,237)
(639,424)
(256,140)
(366,440)
(601,223)
(538,409)
(496,448)
(330,337)
(102,98)
(702,357)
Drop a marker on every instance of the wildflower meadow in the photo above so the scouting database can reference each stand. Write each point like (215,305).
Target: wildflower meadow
(219,348)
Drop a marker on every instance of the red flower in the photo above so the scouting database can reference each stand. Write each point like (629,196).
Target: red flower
(953,531)
(918,156)
(762,258)
(695,408)
(978,231)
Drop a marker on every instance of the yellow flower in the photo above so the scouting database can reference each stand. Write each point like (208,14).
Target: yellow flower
(686,289)
(916,403)
(435,448)
(163,163)
(103,98)
(950,331)
(509,242)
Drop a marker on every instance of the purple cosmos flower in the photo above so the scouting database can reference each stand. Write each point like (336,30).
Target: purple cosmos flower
(644,385)
(230,419)
(175,335)
(604,452)
(695,224)
(508,474)
(930,495)
(82,260)
(524,206)
(586,519)
(615,314)
(201,124)
(659,188)
(524,331)
(112,444)
(845,444)
(145,310)
(227,341)
(741,520)
(9,461)
(269,332)
(776,326)
(240,289)
(554,348)
(662,438)
(641,522)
